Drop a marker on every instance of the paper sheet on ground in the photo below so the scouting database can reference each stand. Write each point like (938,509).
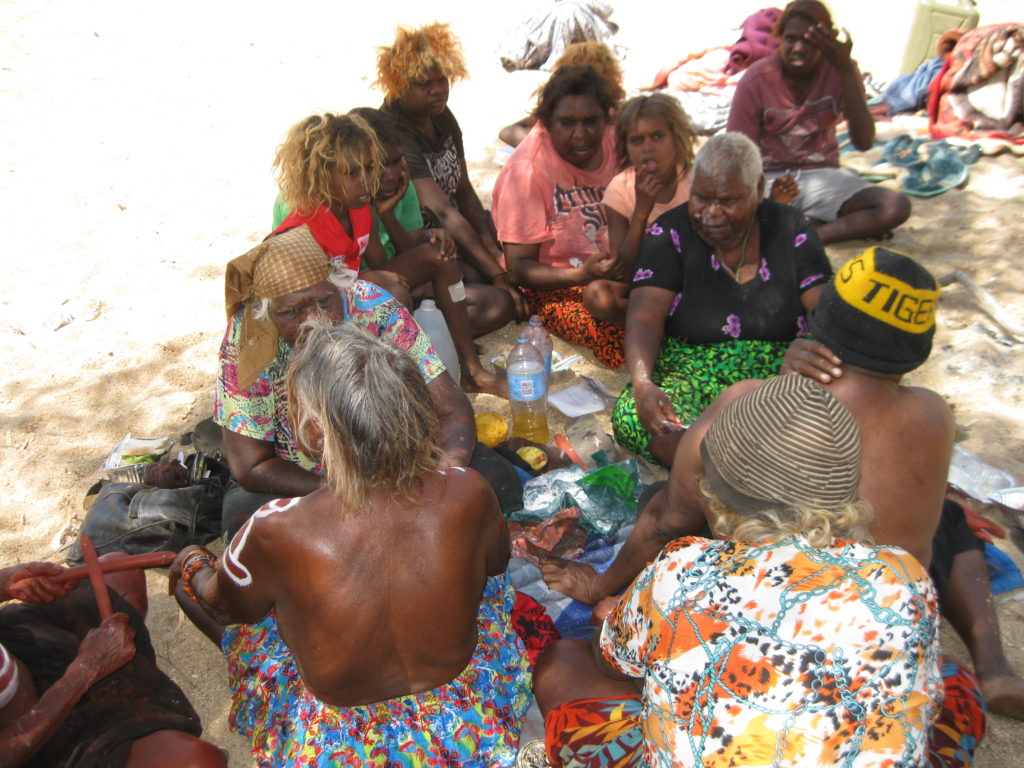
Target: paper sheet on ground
(577,400)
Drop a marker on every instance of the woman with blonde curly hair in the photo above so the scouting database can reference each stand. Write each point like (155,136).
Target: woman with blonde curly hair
(330,169)
(790,640)
(415,73)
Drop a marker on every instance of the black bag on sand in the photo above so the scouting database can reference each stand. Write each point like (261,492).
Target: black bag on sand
(501,476)
(134,518)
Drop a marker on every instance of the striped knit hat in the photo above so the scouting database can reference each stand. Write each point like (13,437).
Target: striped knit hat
(788,442)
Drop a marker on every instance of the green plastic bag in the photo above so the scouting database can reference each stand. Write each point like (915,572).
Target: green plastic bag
(613,489)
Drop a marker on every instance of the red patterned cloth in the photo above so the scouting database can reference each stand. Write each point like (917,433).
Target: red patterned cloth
(343,250)
(563,313)
(980,91)
(533,625)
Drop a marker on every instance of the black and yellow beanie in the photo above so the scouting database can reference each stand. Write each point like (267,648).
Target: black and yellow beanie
(878,313)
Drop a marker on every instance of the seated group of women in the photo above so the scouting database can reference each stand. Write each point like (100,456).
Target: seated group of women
(589,221)
(387,639)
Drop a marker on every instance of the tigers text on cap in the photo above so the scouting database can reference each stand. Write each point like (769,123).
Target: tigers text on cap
(878,312)
(788,442)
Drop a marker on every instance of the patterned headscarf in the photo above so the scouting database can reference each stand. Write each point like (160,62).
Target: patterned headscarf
(283,264)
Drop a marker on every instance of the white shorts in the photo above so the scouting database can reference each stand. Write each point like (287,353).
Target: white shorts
(822,190)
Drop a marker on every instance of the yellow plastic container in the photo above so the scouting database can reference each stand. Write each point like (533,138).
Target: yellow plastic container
(491,429)
(932,19)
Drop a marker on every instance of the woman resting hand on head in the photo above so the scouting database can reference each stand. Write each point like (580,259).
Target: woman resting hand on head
(372,616)
(547,208)
(425,267)
(721,286)
(329,169)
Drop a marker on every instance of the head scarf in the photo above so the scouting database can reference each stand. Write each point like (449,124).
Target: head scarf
(283,264)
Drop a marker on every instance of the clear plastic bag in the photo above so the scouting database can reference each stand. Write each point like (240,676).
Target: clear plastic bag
(606,497)
(974,477)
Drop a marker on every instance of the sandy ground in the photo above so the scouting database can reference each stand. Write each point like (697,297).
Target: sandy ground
(136,150)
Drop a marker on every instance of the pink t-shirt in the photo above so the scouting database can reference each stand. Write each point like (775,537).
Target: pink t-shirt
(790,135)
(541,198)
(621,195)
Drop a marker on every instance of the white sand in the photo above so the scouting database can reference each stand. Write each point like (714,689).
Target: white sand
(138,144)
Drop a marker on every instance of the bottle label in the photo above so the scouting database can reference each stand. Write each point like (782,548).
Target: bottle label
(526,388)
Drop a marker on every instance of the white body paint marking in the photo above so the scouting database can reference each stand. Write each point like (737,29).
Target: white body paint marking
(233,567)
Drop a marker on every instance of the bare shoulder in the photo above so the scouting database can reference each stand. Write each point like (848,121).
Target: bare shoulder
(278,522)
(463,480)
(263,536)
(733,392)
(464,486)
(927,410)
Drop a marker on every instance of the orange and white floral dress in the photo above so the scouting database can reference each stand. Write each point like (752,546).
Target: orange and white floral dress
(781,654)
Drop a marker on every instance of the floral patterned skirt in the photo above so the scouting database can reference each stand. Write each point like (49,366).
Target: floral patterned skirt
(473,720)
(563,313)
(692,375)
(608,733)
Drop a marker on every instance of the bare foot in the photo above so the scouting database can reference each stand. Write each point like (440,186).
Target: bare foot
(482,380)
(784,190)
(577,580)
(1004,695)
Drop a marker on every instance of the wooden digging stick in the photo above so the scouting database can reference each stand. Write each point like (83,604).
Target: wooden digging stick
(99,586)
(126,563)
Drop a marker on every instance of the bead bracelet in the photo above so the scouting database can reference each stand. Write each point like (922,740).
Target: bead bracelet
(193,562)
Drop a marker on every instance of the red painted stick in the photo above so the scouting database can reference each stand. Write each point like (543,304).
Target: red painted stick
(99,586)
(563,442)
(126,563)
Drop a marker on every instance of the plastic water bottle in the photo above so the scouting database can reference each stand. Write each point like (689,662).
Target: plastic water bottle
(431,320)
(540,338)
(527,390)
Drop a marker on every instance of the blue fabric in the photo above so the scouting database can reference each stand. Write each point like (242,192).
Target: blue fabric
(1003,573)
(908,93)
(572,619)
(932,167)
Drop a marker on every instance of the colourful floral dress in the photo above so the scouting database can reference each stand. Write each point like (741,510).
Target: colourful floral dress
(473,720)
(754,655)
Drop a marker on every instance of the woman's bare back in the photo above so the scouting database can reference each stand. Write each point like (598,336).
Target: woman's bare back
(381,602)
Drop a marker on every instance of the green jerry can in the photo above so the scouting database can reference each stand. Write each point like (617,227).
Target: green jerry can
(932,19)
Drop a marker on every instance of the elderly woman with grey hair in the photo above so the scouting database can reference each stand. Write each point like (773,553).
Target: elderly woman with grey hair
(369,621)
(722,286)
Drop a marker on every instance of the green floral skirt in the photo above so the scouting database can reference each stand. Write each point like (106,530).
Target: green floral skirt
(692,375)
